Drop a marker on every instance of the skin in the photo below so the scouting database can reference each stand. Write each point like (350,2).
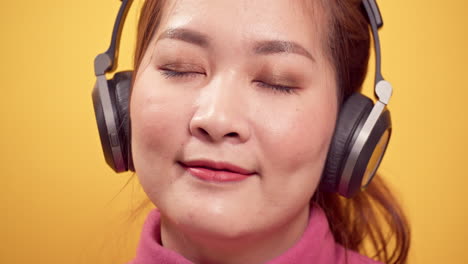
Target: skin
(231,105)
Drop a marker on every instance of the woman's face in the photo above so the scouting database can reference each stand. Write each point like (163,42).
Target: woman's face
(234,86)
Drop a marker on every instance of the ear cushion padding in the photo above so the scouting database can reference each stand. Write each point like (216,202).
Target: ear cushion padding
(123,82)
(350,120)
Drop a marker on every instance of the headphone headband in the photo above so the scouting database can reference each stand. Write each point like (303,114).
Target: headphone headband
(382,89)
(376,22)
(107,61)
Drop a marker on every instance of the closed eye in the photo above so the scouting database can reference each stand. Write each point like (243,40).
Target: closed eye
(168,73)
(277,87)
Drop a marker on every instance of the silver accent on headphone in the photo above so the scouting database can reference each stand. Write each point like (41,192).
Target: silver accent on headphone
(102,63)
(384,91)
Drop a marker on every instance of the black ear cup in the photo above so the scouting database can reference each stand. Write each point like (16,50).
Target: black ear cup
(353,115)
(350,120)
(110,100)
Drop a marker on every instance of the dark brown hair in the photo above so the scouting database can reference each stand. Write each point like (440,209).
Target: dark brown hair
(373,218)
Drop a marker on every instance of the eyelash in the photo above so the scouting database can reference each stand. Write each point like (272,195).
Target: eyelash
(276,87)
(176,74)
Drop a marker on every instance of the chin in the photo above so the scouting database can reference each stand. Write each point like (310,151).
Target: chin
(212,221)
(221,228)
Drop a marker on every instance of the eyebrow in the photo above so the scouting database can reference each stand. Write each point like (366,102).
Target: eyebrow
(279,46)
(187,35)
(265,47)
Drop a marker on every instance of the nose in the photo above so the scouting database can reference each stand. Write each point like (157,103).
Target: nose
(220,115)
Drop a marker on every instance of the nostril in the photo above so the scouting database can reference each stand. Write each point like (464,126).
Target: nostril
(203,131)
(232,134)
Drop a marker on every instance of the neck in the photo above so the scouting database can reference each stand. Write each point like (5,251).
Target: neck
(252,248)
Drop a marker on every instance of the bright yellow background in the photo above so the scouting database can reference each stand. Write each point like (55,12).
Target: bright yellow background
(57,201)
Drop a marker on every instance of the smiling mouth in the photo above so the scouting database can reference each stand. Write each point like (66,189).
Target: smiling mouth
(216,171)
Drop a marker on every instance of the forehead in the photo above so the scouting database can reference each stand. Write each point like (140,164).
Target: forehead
(241,21)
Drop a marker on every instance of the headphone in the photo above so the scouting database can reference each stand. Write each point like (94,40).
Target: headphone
(361,135)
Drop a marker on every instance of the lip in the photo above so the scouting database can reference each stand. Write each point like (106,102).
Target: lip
(215,171)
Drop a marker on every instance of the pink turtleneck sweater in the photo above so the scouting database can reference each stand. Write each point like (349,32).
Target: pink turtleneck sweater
(315,246)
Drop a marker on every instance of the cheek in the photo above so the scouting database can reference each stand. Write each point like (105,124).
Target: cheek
(307,133)
(158,129)
(295,143)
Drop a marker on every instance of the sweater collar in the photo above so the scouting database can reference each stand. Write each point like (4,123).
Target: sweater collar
(316,245)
